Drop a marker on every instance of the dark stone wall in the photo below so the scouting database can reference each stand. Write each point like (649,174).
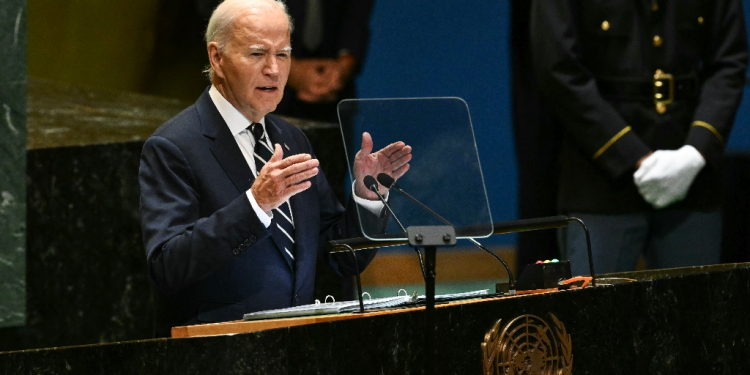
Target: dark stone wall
(12,162)
(86,265)
(690,323)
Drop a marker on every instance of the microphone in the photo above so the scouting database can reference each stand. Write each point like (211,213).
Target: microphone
(372,185)
(390,183)
(387,181)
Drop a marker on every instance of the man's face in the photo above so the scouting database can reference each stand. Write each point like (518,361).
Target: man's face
(254,67)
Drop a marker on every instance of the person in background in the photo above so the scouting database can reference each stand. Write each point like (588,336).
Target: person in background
(646,92)
(538,139)
(330,46)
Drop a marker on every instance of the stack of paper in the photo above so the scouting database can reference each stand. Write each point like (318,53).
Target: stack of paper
(330,308)
(352,306)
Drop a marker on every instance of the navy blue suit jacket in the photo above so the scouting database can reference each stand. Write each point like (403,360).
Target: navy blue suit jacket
(206,248)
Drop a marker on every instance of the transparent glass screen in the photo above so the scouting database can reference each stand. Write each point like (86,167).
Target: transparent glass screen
(444,174)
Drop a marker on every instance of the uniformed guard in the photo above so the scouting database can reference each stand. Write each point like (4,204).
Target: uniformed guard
(646,91)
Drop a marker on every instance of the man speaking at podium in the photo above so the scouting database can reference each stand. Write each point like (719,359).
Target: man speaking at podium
(234,206)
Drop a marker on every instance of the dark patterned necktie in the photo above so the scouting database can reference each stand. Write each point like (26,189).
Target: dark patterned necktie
(282,224)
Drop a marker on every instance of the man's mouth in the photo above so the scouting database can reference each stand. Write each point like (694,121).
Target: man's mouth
(267,88)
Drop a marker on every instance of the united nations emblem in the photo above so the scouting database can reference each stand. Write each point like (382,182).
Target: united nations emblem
(528,345)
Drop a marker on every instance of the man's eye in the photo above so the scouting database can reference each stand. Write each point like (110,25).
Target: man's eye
(256,54)
(282,55)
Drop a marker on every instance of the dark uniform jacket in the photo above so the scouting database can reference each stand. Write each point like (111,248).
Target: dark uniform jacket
(596,61)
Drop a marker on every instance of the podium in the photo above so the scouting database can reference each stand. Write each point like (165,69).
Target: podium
(675,321)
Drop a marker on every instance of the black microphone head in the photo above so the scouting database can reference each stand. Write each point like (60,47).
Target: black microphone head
(370,182)
(386,180)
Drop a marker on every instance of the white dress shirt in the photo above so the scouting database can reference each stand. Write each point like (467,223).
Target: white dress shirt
(238,126)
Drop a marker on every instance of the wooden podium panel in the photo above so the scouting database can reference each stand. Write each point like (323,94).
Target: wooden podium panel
(240,326)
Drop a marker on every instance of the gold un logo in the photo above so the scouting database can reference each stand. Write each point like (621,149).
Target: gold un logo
(528,346)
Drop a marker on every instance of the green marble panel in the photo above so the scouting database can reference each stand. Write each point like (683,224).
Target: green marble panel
(13,163)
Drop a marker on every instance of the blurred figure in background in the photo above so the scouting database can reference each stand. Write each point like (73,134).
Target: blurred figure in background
(329,43)
(537,138)
(646,92)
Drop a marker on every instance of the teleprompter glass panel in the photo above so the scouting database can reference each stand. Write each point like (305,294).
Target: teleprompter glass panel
(444,174)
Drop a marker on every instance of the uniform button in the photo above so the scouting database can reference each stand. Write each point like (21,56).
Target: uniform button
(661,108)
(246,243)
(296,298)
(605,25)
(657,41)
(700,20)
(655,7)
(236,251)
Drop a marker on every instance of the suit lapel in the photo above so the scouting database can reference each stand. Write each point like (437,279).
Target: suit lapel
(224,147)
(229,156)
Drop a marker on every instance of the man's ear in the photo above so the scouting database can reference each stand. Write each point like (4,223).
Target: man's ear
(214,58)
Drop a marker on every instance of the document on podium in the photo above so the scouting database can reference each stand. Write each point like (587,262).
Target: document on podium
(456,296)
(330,308)
(352,306)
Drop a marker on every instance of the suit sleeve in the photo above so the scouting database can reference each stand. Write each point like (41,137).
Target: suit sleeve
(723,80)
(571,89)
(182,247)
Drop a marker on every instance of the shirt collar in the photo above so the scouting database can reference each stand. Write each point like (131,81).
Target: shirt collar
(235,120)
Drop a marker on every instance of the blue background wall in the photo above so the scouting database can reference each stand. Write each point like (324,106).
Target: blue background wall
(443,48)
(440,48)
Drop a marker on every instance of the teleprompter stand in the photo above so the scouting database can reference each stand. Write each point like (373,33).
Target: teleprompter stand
(430,237)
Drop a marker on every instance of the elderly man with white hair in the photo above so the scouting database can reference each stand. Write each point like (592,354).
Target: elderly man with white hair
(234,206)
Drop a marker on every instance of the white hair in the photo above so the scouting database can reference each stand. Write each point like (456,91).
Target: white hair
(219,24)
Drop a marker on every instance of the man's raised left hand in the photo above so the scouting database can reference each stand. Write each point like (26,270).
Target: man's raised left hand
(392,160)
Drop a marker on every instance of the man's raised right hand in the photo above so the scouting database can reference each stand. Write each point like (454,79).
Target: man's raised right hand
(281,178)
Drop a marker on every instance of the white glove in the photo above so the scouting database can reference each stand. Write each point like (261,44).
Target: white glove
(666,175)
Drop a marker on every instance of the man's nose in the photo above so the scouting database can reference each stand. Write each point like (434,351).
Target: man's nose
(272,66)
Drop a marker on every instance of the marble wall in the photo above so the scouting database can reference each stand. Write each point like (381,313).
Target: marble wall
(87,277)
(12,163)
